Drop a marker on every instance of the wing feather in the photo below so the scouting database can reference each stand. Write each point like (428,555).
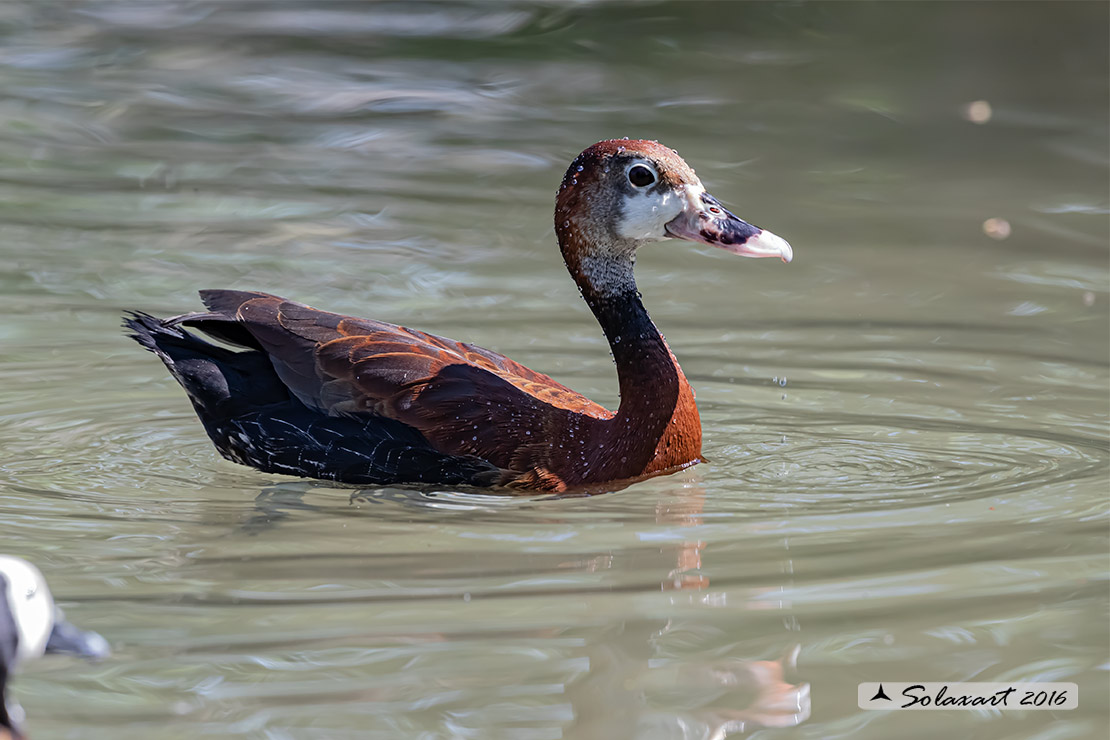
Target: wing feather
(463,398)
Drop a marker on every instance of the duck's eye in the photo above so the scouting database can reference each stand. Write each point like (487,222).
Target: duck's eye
(641,176)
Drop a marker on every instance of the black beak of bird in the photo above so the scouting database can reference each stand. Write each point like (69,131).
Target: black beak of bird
(65,638)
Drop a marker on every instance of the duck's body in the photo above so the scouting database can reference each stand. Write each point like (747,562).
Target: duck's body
(326,396)
(30,626)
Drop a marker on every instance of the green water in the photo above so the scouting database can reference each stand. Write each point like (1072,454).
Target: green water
(906,427)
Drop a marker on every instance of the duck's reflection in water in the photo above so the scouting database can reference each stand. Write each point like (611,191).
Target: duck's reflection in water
(656,676)
(274,504)
(626,687)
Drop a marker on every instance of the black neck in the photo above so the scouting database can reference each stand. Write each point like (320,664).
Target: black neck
(646,370)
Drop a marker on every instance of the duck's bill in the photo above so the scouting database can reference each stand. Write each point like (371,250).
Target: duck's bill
(65,638)
(704,220)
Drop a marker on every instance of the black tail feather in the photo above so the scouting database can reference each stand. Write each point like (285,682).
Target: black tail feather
(143,327)
(220,381)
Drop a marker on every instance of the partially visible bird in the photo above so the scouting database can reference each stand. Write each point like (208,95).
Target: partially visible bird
(31,625)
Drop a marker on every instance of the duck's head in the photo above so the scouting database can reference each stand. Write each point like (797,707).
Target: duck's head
(30,623)
(621,193)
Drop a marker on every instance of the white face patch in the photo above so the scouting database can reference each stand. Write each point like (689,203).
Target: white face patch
(31,604)
(645,214)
